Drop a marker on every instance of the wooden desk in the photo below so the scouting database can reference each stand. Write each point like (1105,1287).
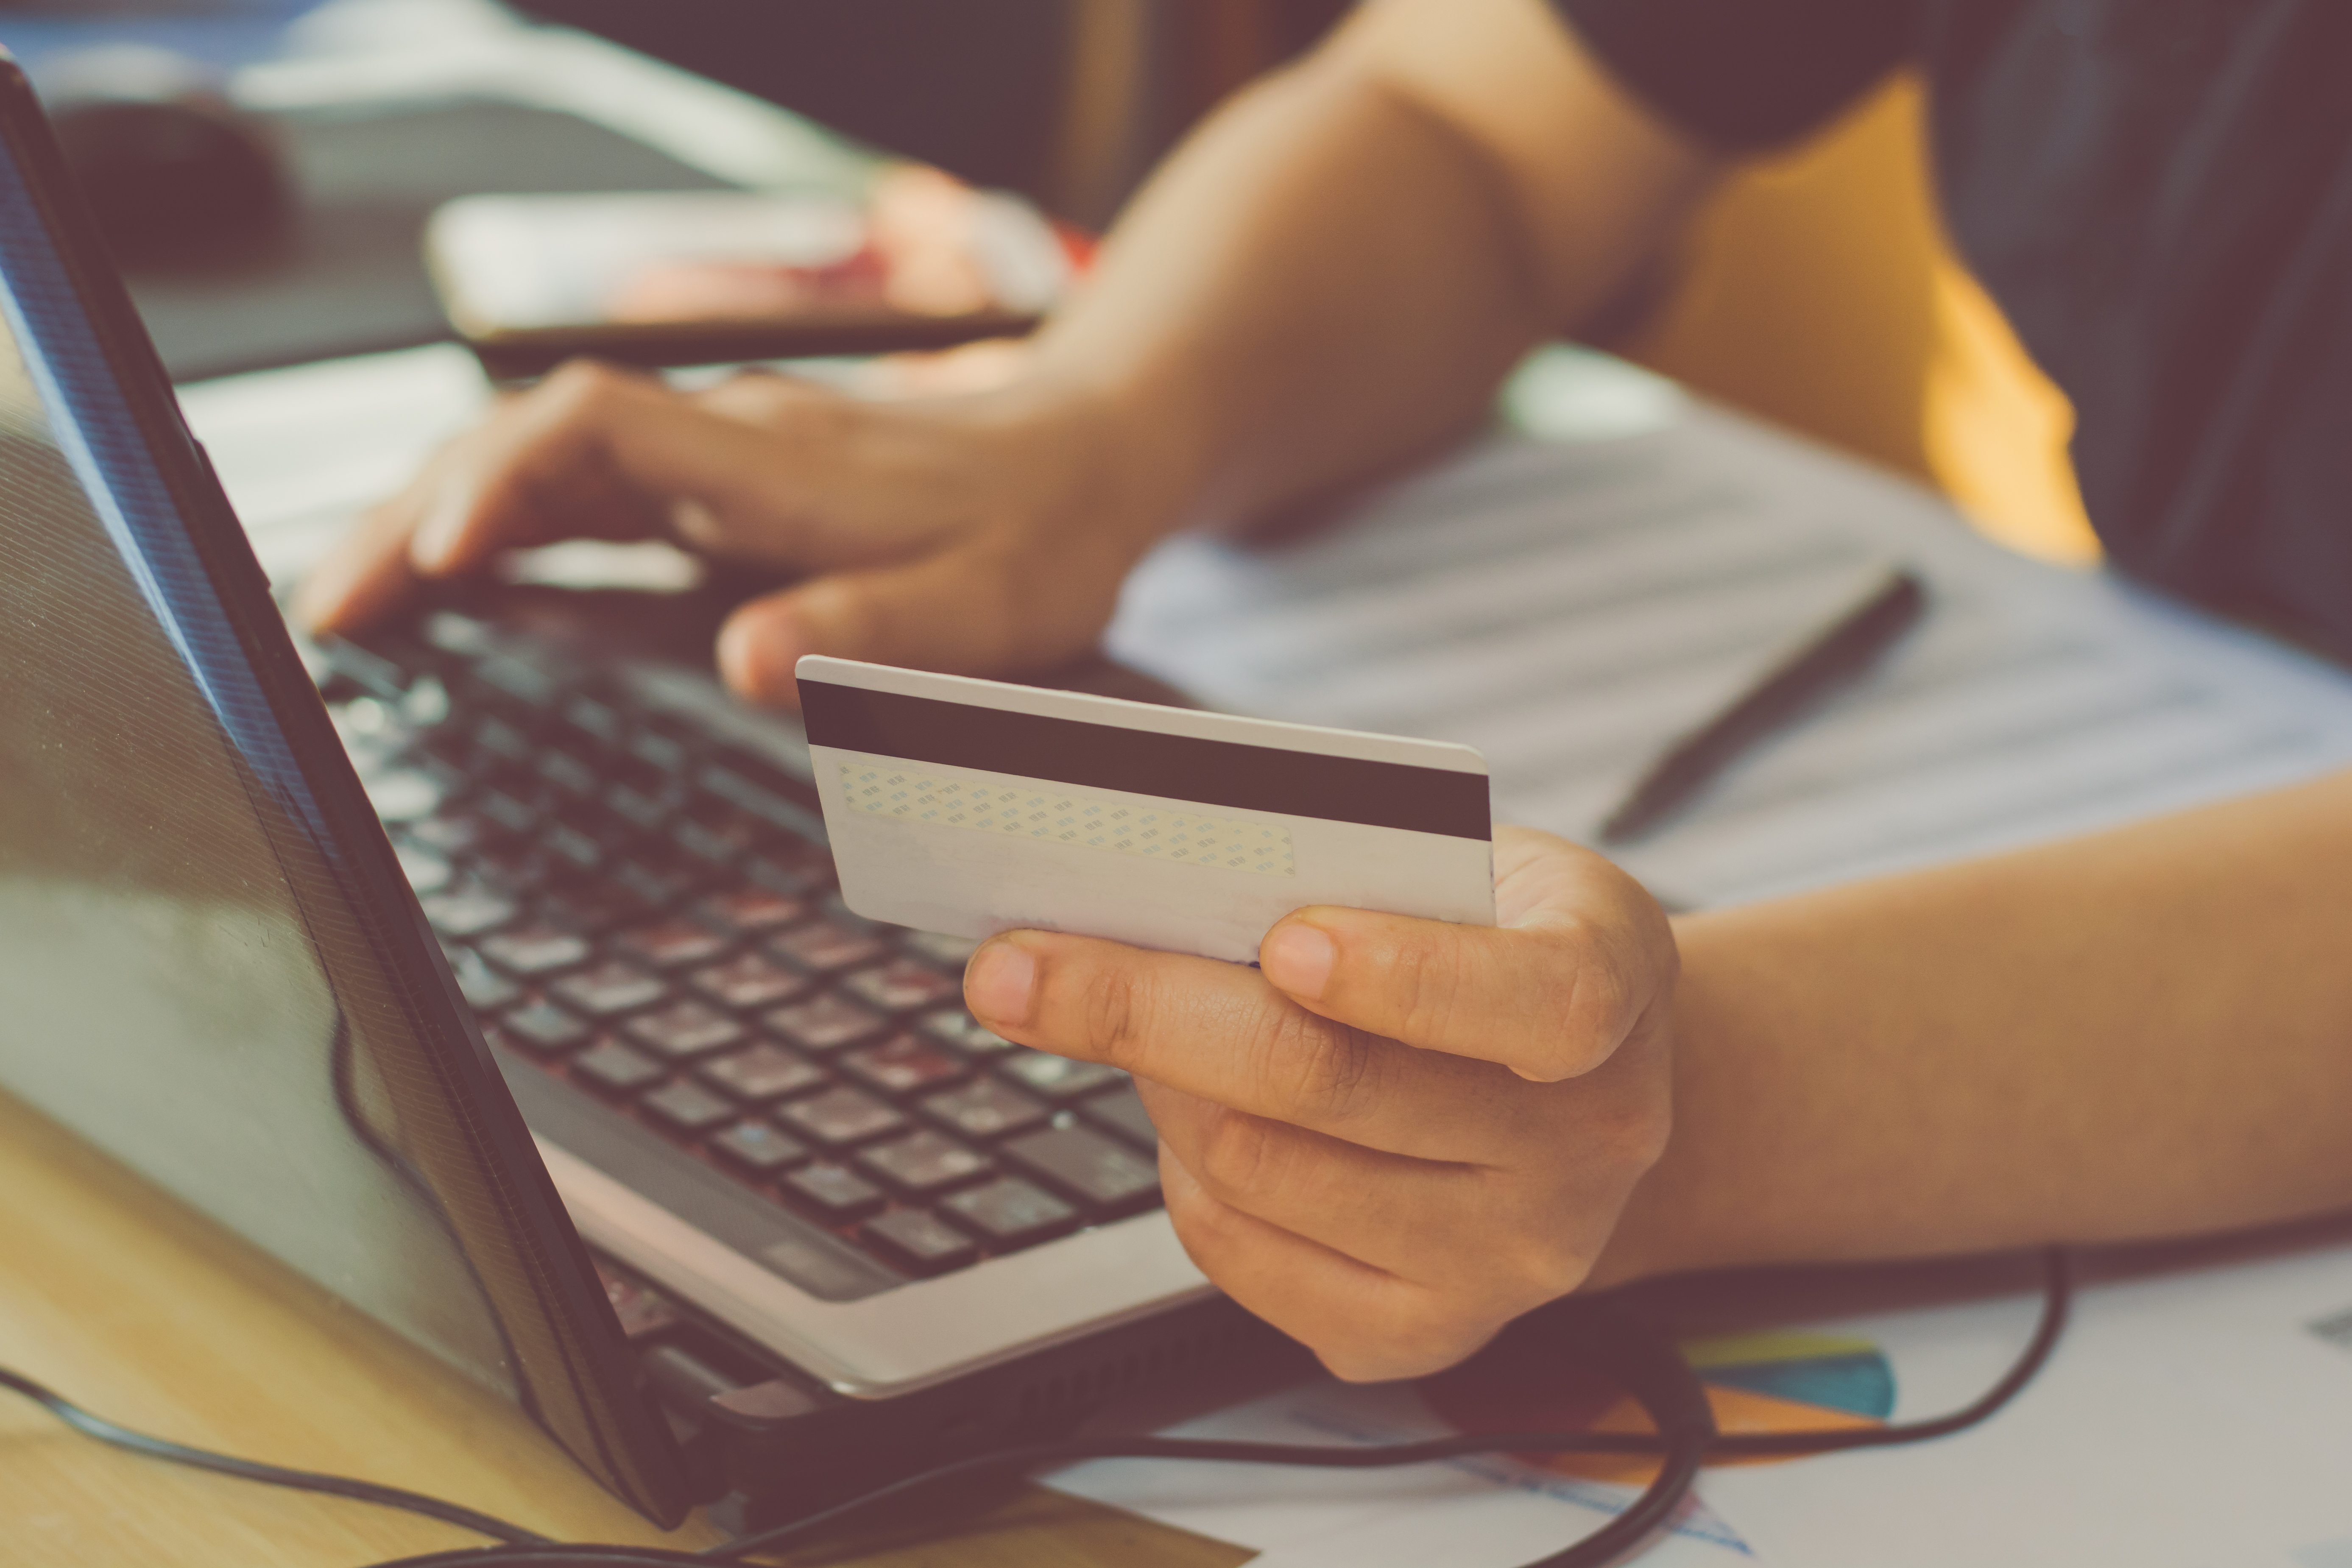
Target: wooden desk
(127,1303)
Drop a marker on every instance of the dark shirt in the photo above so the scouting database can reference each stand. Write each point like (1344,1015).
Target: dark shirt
(2158,193)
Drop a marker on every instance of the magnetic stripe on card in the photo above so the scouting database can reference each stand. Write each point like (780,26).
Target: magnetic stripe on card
(1228,774)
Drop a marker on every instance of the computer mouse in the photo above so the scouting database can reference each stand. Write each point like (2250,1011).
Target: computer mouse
(173,178)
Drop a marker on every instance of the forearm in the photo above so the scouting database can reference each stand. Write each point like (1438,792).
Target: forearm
(2141,1034)
(1333,273)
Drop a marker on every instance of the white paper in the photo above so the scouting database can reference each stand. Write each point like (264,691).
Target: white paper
(1571,607)
(2186,1421)
(1483,1513)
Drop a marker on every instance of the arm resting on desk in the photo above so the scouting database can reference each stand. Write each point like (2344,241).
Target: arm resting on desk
(1396,1135)
(2145,1033)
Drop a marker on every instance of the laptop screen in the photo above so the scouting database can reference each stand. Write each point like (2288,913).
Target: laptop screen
(199,972)
(166,996)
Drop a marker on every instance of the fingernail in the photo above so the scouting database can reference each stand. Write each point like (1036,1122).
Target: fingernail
(1298,959)
(997,985)
(436,541)
(757,651)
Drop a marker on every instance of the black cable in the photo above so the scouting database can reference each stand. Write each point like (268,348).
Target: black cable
(106,1431)
(2057,1306)
(1684,1441)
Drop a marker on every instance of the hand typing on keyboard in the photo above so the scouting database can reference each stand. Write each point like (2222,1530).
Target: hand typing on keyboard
(1398,1134)
(981,535)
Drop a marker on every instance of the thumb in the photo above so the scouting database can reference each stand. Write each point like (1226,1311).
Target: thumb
(972,611)
(1584,956)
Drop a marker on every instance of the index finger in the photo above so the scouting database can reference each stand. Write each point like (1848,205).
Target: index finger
(1222,1032)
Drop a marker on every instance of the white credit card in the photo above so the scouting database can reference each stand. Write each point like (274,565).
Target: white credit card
(972,806)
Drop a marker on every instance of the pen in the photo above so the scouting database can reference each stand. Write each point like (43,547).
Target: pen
(1841,653)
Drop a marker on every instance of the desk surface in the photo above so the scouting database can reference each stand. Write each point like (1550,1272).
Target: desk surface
(122,1302)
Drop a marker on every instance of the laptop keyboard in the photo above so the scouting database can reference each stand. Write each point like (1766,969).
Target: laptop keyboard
(646,910)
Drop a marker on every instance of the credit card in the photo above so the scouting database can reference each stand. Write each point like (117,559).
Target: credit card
(972,806)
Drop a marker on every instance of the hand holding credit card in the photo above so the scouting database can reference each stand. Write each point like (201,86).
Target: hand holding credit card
(973,807)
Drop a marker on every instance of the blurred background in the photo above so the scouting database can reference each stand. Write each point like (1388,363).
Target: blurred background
(1817,290)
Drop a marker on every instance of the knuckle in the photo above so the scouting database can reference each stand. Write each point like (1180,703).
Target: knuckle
(1630,1136)
(1236,1154)
(1427,980)
(1115,1012)
(1331,1071)
(1593,1004)
(1535,1268)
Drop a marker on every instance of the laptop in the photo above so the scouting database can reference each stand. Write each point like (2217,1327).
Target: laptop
(502,988)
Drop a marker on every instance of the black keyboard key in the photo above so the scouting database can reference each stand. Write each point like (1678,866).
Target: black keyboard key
(752,788)
(959,1031)
(542,1027)
(672,944)
(666,743)
(610,989)
(613,1067)
(682,1031)
(835,1191)
(758,1148)
(919,1242)
(1093,1167)
(536,950)
(687,1108)
(828,947)
(925,1162)
(503,740)
(533,681)
(600,721)
(903,1065)
(428,872)
(470,911)
(593,907)
(902,985)
(824,1023)
(616,834)
(763,1073)
(722,838)
(750,911)
(455,834)
(648,810)
(451,632)
(517,865)
(1009,1212)
(839,1118)
(985,1108)
(505,811)
(1121,1110)
(486,990)
(567,846)
(748,981)
(1056,1078)
(947,952)
(791,874)
(569,771)
(659,882)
